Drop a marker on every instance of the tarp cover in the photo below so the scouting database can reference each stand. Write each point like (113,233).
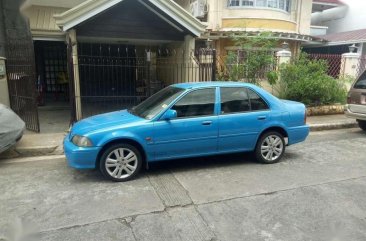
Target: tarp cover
(11,128)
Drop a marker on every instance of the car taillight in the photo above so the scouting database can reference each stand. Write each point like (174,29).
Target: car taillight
(348,99)
(353,99)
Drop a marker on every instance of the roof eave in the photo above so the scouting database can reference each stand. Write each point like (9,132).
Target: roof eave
(82,12)
(90,8)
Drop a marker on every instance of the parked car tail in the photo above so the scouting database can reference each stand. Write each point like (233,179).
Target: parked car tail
(356,101)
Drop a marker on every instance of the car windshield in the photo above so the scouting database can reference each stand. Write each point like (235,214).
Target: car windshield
(156,103)
(361,83)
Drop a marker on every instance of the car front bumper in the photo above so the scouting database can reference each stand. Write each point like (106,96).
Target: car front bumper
(355,115)
(80,157)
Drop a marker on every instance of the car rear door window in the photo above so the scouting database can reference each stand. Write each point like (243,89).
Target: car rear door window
(234,100)
(196,103)
(361,82)
(257,102)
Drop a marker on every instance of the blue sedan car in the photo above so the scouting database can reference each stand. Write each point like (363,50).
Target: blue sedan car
(187,120)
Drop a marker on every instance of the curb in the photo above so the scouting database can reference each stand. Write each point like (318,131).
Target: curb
(32,159)
(33,151)
(332,126)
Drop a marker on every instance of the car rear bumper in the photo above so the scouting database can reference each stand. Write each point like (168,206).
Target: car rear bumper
(297,134)
(355,115)
(80,157)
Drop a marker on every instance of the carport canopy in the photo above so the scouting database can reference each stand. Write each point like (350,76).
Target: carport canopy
(152,20)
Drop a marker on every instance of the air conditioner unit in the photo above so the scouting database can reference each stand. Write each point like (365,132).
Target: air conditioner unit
(198,8)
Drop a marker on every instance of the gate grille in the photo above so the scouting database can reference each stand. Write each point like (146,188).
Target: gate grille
(115,77)
(21,80)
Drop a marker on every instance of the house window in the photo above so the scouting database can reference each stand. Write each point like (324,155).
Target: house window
(273,3)
(247,3)
(276,4)
(261,3)
(234,3)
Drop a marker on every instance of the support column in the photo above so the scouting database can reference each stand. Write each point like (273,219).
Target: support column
(283,57)
(350,65)
(191,72)
(189,45)
(4,93)
(75,61)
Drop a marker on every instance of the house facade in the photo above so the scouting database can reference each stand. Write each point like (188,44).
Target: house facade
(103,55)
(288,20)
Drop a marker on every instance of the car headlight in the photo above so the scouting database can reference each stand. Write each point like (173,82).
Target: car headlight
(81,141)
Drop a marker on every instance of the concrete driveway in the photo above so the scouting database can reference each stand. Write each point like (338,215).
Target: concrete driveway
(317,192)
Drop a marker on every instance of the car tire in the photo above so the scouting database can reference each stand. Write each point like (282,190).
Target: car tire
(362,124)
(270,147)
(120,162)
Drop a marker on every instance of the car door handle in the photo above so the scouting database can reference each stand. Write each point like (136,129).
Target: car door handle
(206,123)
(261,117)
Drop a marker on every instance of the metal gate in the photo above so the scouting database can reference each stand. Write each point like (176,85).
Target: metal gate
(115,77)
(20,65)
(21,81)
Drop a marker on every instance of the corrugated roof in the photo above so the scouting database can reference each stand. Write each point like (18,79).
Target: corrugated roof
(346,37)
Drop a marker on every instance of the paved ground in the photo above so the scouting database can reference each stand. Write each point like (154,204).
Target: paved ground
(317,192)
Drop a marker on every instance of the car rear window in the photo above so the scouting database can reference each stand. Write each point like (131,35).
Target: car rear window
(361,82)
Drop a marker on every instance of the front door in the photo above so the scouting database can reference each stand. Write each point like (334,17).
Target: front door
(194,131)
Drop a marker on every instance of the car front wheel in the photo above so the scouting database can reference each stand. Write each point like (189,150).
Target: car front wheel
(120,162)
(362,124)
(270,147)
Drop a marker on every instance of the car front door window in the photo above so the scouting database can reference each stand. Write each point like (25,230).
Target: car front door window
(196,103)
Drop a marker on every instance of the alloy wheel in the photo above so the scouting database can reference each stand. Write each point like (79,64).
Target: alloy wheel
(121,163)
(272,148)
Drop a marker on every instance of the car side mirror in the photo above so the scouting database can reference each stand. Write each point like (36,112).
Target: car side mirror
(169,114)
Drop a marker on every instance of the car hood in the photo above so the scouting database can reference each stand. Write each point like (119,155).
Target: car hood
(103,121)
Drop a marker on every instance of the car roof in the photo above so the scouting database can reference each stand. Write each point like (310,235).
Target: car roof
(195,85)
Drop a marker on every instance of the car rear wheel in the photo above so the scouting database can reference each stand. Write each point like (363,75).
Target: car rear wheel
(362,124)
(270,147)
(121,162)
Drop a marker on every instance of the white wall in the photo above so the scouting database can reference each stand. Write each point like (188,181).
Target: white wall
(354,19)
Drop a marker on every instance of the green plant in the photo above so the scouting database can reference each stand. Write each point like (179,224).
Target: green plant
(306,80)
(253,58)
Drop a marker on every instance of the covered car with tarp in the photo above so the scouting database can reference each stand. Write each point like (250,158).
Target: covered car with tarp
(11,128)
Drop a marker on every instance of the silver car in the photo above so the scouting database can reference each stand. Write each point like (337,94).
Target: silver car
(356,101)
(11,128)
